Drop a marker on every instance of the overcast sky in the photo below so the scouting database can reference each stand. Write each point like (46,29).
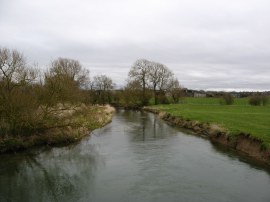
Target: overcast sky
(208,44)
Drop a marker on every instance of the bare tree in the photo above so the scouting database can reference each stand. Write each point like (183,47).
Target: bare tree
(103,85)
(140,72)
(103,82)
(12,64)
(64,81)
(17,99)
(71,69)
(151,75)
(159,77)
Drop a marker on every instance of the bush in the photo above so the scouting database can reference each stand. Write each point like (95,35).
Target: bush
(257,100)
(254,100)
(265,100)
(227,99)
(162,99)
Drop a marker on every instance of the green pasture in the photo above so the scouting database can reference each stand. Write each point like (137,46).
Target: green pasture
(239,117)
(211,101)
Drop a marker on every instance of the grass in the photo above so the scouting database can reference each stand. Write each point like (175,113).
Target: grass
(236,118)
(77,124)
(212,101)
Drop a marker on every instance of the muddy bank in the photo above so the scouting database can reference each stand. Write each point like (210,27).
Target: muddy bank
(77,123)
(241,142)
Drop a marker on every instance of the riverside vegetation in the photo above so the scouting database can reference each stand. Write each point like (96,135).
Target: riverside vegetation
(62,104)
(230,124)
(58,105)
(76,123)
(50,107)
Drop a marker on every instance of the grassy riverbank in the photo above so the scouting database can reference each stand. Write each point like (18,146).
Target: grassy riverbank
(237,118)
(76,122)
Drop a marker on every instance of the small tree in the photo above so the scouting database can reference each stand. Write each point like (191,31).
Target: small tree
(132,95)
(227,99)
(64,81)
(175,90)
(103,86)
(255,100)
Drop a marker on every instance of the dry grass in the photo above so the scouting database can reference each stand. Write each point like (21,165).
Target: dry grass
(68,125)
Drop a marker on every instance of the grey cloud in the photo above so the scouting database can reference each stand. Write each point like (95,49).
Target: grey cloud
(208,44)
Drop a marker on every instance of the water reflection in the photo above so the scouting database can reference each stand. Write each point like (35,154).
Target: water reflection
(137,157)
(145,126)
(54,175)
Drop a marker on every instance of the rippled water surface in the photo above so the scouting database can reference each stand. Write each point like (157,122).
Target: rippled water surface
(135,158)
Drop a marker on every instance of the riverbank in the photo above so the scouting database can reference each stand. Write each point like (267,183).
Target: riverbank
(77,122)
(239,141)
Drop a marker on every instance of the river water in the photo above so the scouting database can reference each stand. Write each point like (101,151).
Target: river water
(135,158)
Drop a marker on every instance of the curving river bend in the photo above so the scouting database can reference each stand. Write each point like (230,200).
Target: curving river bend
(135,158)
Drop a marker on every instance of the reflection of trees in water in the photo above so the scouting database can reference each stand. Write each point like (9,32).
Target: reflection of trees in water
(56,175)
(32,162)
(145,126)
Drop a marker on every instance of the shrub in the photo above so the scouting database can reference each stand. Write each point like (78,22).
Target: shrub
(255,100)
(265,100)
(227,99)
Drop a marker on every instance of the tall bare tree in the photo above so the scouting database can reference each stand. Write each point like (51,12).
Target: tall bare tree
(140,72)
(159,77)
(151,75)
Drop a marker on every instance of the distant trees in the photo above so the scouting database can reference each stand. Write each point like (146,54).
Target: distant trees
(159,78)
(156,78)
(32,101)
(102,85)
(140,72)
(133,96)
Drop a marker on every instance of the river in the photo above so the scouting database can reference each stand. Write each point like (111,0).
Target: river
(137,157)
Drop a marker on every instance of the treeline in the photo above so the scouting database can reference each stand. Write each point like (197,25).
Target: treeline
(150,83)
(31,100)
(256,99)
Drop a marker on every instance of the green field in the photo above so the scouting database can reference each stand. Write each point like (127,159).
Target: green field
(212,101)
(239,117)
